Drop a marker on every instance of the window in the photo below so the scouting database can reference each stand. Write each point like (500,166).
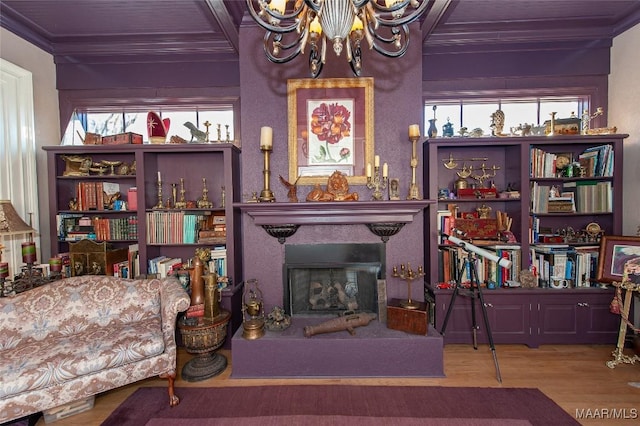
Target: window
(474,114)
(220,122)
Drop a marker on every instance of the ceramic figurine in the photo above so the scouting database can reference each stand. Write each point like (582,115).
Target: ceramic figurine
(447,129)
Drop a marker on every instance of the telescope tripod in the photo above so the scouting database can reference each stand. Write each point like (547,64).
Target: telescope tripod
(473,292)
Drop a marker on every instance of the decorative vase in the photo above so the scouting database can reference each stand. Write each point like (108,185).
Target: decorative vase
(433,130)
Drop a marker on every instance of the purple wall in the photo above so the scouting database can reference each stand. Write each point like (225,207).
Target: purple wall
(398,103)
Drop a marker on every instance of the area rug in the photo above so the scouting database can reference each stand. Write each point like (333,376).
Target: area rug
(340,404)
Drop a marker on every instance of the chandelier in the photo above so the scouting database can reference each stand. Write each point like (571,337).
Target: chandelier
(310,24)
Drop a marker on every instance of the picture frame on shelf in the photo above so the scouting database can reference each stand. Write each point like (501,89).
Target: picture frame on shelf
(615,251)
(330,128)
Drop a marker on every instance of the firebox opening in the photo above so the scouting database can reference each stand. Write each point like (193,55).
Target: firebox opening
(330,279)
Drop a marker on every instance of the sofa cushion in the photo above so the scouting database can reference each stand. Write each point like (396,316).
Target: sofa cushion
(61,358)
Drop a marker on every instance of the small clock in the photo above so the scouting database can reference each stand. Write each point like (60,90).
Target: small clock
(593,229)
(562,161)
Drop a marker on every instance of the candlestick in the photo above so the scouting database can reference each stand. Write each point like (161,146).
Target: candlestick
(414,192)
(375,181)
(266,137)
(266,146)
(159,205)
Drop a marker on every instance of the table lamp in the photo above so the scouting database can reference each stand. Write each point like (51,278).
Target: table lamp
(12,224)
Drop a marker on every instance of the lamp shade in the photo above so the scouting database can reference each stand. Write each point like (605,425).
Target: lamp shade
(10,222)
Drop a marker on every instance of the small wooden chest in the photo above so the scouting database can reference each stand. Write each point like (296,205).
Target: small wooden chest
(412,321)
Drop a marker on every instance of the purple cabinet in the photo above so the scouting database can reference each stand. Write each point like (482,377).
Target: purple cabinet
(531,317)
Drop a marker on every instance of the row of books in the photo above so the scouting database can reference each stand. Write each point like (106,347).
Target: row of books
(76,227)
(96,195)
(164,266)
(172,227)
(575,265)
(586,196)
(453,265)
(596,161)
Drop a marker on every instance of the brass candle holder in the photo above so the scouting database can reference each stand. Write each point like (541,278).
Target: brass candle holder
(377,183)
(266,196)
(203,202)
(160,205)
(414,191)
(409,275)
(182,203)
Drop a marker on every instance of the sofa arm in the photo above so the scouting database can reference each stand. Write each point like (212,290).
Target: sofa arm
(173,300)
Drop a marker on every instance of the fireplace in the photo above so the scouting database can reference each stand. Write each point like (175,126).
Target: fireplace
(330,279)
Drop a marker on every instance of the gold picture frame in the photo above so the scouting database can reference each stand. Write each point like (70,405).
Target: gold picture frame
(330,128)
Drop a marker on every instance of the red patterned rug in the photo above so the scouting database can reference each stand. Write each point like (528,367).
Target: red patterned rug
(335,405)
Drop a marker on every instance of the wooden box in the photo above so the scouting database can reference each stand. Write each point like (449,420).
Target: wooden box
(92,258)
(412,321)
(122,138)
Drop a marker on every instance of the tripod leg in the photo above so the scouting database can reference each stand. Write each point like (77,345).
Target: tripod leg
(474,323)
(456,290)
(489,335)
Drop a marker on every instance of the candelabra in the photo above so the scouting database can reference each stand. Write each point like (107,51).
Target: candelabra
(409,276)
(414,135)
(266,147)
(377,182)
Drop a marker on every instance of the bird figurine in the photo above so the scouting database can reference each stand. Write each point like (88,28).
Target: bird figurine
(199,135)
(292,193)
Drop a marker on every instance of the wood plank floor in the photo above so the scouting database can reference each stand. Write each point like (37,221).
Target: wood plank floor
(575,377)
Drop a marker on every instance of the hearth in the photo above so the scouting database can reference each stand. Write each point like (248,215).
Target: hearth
(319,282)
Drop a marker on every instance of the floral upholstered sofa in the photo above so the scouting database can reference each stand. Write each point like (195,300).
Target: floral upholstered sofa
(79,336)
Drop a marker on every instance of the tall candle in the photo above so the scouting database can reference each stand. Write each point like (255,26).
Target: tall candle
(159,178)
(4,270)
(414,131)
(29,252)
(376,161)
(368,170)
(385,170)
(266,137)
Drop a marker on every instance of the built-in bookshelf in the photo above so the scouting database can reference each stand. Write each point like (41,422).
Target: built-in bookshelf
(543,202)
(112,193)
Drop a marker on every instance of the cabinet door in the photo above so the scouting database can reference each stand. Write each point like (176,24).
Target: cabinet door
(557,319)
(509,317)
(597,324)
(460,323)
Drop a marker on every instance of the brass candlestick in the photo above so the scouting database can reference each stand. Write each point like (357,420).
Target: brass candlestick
(266,196)
(160,205)
(377,183)
(414,191)
(182,204)
(203,202)
(409,276)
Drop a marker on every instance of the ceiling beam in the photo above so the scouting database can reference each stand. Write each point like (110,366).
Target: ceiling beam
(223,17)
(433,17)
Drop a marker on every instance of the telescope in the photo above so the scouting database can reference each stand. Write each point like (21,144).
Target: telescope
(505,263)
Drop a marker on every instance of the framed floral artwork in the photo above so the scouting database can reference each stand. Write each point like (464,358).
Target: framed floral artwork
(330,128)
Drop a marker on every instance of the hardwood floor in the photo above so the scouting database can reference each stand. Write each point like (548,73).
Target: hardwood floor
(575,377)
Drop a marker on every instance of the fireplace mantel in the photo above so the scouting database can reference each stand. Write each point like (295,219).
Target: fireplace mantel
(382,217)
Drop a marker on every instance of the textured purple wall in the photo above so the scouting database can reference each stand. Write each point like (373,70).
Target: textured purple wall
(398,103)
